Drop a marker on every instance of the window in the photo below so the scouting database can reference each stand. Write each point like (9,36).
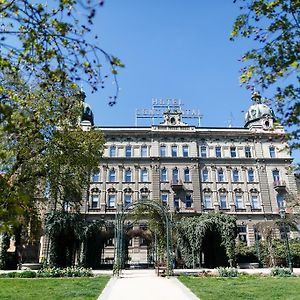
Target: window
(232,151)
(205,175)
(144,175)
(163,175)
(174,151)
(112,175)
(110,242)
(112,151)
(221,175)
(248,152)
(235,175)
(218,151)
(223,201)
(185,151)
(239,201)
(127,199)
(254,201)
(128,176)
(186,175)
(96,176)
(176,202)
(280,200)
(95,200)
(128,151)
(203,151)
(272,152)
(188,201)
(175,176)
(242,233)
(164,199)
(207,201)
(163,151)
(144,151)
(276,175)
(251,175)
(111,203)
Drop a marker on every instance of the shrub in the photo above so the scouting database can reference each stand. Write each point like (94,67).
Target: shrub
(227,272)
(245,254)
(27,274)
(67,272)
(281,272)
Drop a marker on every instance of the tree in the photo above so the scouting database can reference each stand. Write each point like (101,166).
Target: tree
(273,66)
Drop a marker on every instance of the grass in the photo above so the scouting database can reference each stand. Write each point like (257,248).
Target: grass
(244,287)
(52,288)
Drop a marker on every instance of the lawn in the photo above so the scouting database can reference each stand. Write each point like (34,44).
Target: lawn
(52,288)
(244,287)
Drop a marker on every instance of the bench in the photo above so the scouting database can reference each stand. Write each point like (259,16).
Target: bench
(160,269)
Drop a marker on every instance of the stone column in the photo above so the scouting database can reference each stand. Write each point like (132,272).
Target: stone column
(195,178)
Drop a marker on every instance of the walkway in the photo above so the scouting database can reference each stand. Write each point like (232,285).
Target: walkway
(144,284)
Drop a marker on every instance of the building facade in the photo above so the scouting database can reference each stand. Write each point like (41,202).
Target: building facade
(245,171)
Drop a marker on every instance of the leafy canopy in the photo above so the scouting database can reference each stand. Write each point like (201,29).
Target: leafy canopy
(273,65)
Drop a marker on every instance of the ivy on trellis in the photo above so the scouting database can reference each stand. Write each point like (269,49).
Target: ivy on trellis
(192,230)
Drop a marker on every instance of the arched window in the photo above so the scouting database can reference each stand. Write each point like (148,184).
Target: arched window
(254,199)
(223,198)
(163,175)
(112,175)
(207,200)
(251,177)
(276,175)
(128,175)
(220,175)
(187,175)
(205,176)
(272,152)
(144,175)
(280,200)
(175,176)
(127,199)
(235,175)
(239,203)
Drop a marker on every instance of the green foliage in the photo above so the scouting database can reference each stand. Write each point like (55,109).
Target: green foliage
(245,254)
(5,240)
(191,232)
(65,272)
(227,272)
(281,272)
(275,63)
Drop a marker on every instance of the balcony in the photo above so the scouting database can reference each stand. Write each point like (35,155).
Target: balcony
(279,185)
(177,185)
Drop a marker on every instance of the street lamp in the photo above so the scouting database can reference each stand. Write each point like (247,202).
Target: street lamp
(286,239)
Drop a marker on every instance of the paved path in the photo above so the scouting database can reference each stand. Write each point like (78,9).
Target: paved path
(144,284)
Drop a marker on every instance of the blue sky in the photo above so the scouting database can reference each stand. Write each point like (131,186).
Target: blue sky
(172,49)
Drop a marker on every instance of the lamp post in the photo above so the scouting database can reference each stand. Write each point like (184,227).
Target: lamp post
(286,239)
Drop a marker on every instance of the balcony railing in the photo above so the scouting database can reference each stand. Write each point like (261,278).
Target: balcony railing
(279,185)
(177,185)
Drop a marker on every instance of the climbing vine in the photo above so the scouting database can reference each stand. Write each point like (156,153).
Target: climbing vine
(191,232)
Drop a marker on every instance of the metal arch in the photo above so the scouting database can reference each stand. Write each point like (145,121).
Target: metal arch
(119,231)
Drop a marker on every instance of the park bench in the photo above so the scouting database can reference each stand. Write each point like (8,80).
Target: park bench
(160,268)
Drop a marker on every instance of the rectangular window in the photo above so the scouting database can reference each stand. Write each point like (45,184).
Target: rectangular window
(239,201)
(163,175)
(207,201)
(144,175)
(221,176)
(223,201)
(112,176)
(232,151)
(127,199)
(95,200)
(272,152)
(280,200)
(164,199)
(128,151)
(242,233)
(112,151)
(251,175)
(128,176)
(205,175)
(188,201)
(163,151)
(218,151)
(144,151)
(185,151)
(248,152)
(175,176)
(254,201)
(203,151)
(174,151)
(111,203)
(276,175)
(176,202)
(235,176)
